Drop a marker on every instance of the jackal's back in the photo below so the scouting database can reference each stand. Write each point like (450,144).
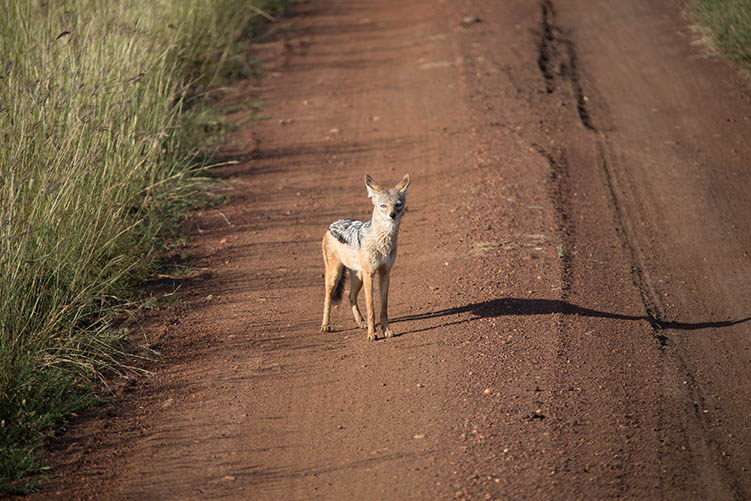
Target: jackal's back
(349,231)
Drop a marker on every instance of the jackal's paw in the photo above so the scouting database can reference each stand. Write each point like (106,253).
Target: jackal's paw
(388,333)
(362,324)
(371,336)
(325,328)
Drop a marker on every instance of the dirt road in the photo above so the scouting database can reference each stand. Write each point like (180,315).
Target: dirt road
(572,293)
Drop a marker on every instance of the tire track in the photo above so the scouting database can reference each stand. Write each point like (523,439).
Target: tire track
(558,61)
(555,47)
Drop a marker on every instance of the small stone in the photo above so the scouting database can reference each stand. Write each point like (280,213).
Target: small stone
(418,436)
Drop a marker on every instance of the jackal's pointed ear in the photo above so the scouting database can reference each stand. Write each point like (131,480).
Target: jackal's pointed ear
(371,186)
(403,185)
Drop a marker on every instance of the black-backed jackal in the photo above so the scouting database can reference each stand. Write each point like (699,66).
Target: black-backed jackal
(365,249)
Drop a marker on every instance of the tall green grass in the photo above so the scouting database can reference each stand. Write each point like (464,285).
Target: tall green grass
(96,149)
(729,25)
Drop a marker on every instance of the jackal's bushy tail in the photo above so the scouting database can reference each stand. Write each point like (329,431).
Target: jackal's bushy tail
(339,287)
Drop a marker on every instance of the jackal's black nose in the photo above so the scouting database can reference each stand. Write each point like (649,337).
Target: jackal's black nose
(392,215)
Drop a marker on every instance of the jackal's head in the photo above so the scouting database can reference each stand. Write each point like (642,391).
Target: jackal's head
(389,204)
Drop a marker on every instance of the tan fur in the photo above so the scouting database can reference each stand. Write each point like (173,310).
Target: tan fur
(375,254)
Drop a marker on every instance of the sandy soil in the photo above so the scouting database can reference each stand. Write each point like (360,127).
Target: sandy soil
(571,297)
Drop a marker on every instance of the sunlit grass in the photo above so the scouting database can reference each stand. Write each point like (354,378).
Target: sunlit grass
(97,152)
(729,26)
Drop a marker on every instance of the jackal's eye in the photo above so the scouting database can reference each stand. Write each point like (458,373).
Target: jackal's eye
(383,206)
(398,205)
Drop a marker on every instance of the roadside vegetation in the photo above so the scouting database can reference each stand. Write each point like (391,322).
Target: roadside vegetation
(729,26)
(101,129)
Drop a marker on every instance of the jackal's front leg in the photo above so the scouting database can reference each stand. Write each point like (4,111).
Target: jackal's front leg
(383,290)
(370,311)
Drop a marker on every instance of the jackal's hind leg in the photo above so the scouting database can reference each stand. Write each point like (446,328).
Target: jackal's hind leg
(355,284)
(333,272)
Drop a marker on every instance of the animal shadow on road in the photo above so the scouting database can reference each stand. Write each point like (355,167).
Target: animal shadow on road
(519,306)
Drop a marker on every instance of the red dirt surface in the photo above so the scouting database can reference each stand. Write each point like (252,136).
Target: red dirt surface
(571,297)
